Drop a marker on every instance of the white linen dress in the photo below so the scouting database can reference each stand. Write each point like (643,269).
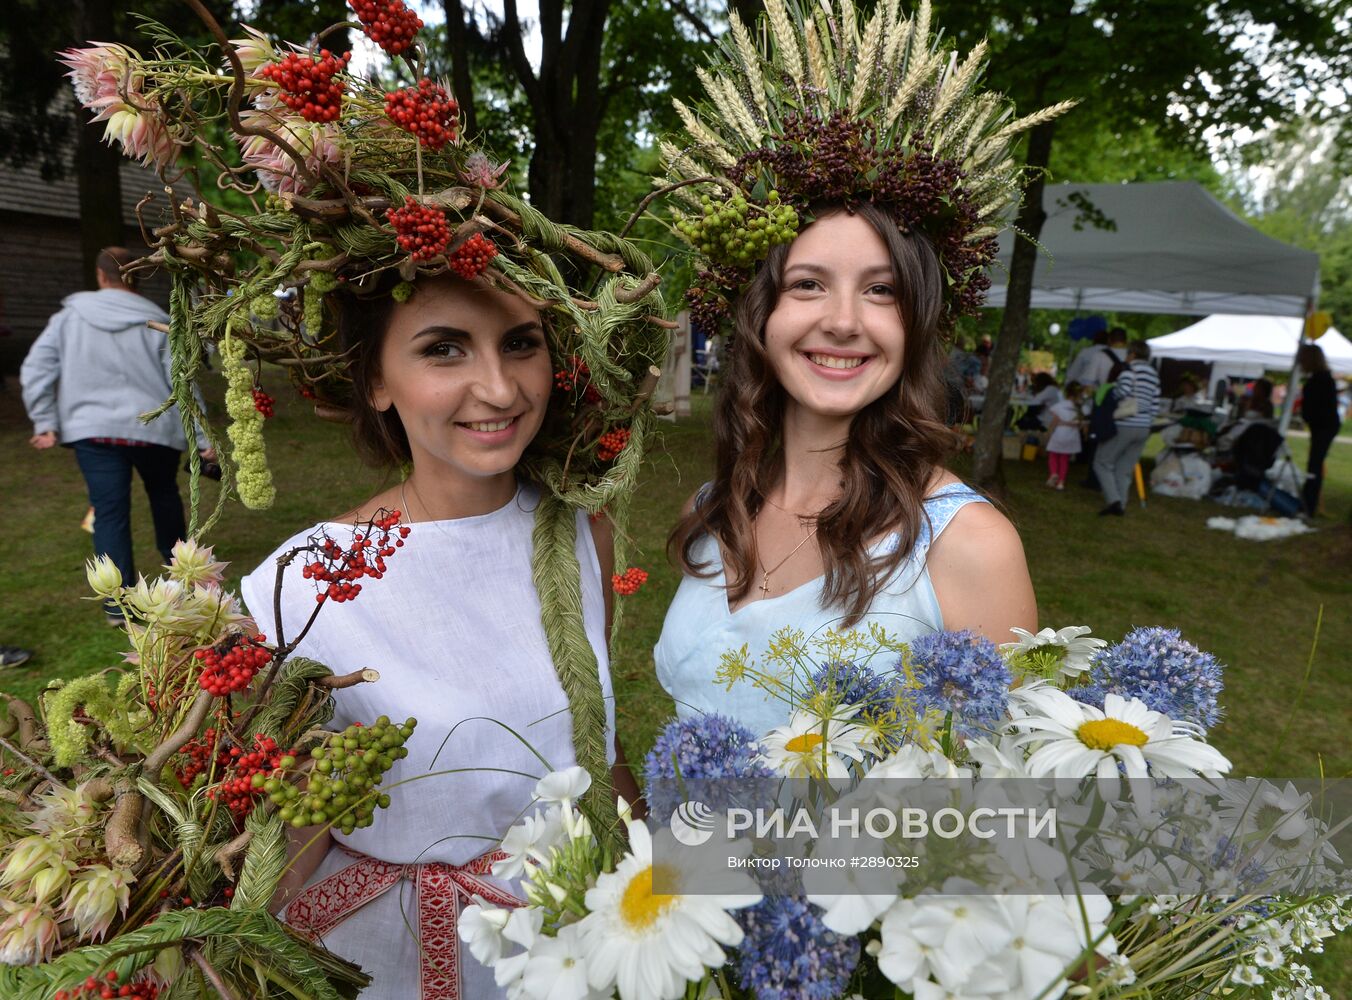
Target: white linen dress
(454,629)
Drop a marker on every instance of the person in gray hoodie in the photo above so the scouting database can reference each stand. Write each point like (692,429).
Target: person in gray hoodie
(86,381)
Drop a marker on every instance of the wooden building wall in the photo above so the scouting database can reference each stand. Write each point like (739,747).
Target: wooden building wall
(40,249)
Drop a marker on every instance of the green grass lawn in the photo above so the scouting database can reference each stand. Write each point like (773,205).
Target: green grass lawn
(1255,605)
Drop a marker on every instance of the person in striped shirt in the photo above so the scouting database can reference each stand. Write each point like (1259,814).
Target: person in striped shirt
(1138,398)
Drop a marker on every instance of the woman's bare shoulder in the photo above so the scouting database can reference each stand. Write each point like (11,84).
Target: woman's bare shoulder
(980,574)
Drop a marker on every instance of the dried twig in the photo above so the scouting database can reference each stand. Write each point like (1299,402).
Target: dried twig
(22,714)
(333,681)
(653,196)
(157,758)
(121,835)
(212,976)
(30,762)
(639,291)
(225,855)
(237,95)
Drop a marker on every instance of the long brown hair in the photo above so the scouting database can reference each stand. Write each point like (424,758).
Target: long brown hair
(894,444)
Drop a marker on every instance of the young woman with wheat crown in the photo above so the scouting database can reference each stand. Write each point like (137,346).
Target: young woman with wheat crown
(840,184)
(437,322)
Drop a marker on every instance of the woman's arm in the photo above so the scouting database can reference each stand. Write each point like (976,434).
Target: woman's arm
(621,774)
(980,575)
(305,848)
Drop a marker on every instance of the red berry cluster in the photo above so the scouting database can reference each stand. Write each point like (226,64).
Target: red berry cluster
(427,111)
(263,403)
(305,392)
(340,567)
(422,229)
(629,581)
(199,752)
(108,987)
(472,256)
(230,665)
(612,443)
(240,791)
(576,376)
(388,23)
(307,83)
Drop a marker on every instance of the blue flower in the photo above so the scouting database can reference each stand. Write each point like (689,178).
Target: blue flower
(962,673)
(789,954)
(1161,668)
(849,683)
(702,751)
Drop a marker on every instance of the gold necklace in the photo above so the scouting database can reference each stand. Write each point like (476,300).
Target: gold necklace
(765,579)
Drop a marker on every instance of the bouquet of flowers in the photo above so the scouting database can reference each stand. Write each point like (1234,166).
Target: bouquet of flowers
(1174,880)
(143,808)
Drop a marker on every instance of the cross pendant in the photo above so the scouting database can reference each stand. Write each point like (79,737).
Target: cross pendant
(765,586)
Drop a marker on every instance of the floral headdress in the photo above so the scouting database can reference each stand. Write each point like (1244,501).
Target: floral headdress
(334,186)
(833,106)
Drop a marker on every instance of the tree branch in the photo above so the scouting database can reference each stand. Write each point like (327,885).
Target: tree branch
(696,22)
(516,52)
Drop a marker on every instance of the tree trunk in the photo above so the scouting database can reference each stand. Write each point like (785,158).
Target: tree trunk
(97,164)
(460,70)
(565,102)
(987,451)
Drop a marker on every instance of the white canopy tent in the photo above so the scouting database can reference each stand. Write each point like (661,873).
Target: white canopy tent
(1175,249)
(1249,345)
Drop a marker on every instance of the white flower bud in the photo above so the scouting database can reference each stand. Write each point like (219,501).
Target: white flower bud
(105,579)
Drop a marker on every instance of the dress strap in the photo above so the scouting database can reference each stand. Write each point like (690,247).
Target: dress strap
(942,505)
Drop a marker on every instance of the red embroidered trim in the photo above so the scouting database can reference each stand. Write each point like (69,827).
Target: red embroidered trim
(442,890)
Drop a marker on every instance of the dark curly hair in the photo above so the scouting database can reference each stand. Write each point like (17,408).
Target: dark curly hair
(894,446)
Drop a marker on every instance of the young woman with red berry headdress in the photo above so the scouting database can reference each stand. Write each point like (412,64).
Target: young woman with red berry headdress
(432,314)
(842,220)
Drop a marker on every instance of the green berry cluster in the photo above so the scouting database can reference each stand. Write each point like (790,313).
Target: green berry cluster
(737,232)
(342,787)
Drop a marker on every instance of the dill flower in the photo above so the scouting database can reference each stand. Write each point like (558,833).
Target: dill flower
(703,749)
(789,954)
(962,673)
(1160,668)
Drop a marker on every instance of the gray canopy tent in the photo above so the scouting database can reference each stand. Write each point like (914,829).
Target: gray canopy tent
(1175,249)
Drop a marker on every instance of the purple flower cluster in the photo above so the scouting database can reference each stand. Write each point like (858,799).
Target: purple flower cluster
(848,683)
(789,954)
(701,750)
(1161,668)
(962,673)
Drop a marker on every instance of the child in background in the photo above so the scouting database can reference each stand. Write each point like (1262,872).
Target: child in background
(1064,441)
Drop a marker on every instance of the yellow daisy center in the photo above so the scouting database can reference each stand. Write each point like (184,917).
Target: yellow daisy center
(804,743)
(1104,734)
(640,906)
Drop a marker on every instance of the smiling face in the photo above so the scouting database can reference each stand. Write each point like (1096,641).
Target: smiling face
(468,372)
(835,338)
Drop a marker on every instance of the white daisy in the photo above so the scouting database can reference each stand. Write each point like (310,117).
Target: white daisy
(652,944)
(811,746)
(1067,651)
(1075,740)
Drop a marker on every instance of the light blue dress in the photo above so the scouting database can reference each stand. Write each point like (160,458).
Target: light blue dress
(699,627)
